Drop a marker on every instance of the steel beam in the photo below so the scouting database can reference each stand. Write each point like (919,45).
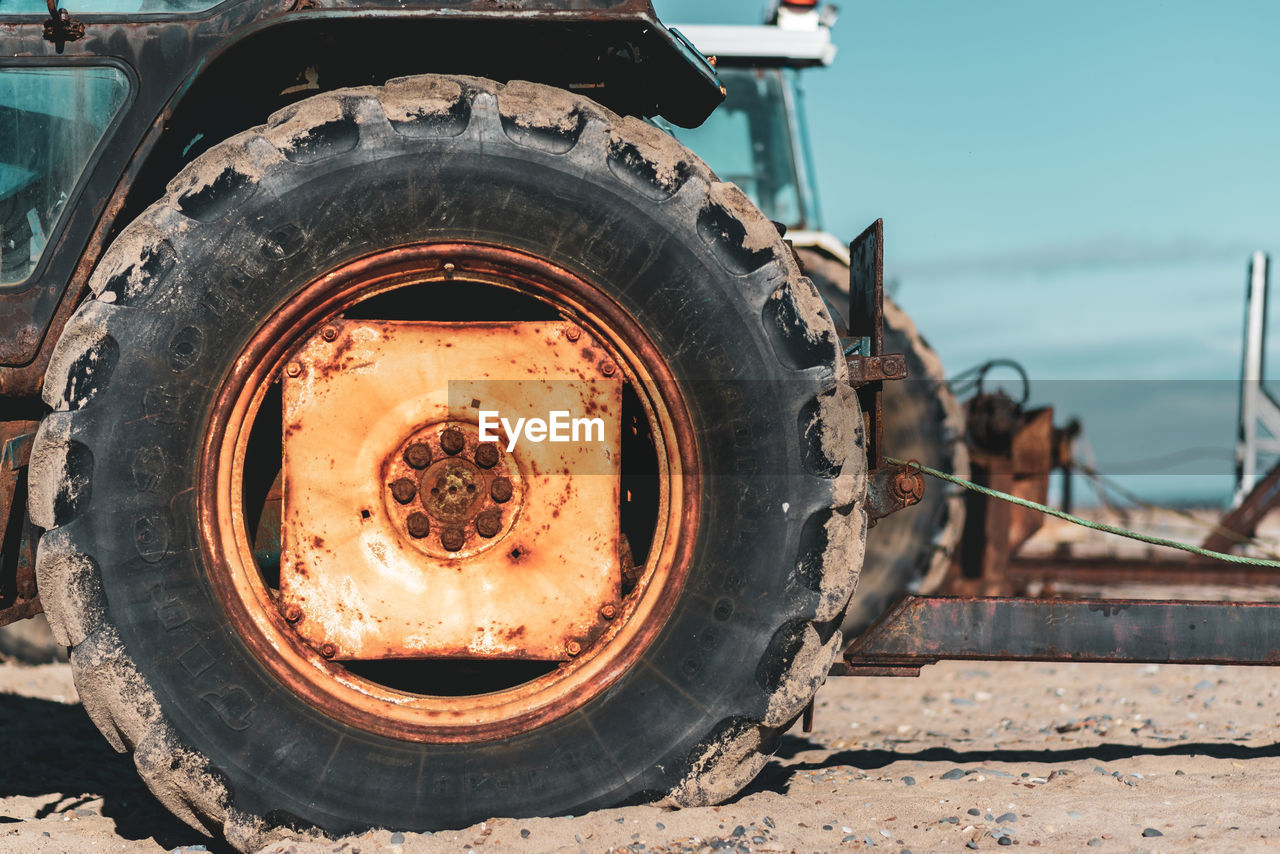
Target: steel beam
(923,630)
(1110,571)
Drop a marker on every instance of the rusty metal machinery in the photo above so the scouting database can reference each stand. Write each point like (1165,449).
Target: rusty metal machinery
(985,614)
(18,597)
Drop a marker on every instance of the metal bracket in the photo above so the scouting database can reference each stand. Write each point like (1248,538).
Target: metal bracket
(869,369)
(891,488)
(61,27)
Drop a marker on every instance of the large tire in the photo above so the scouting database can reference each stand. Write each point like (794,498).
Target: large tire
(909,551)
(125,569)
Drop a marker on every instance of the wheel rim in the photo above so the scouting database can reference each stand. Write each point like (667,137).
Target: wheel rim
(336,690)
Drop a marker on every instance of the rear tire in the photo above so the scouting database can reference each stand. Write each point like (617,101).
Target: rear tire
(126,570)
(909,551)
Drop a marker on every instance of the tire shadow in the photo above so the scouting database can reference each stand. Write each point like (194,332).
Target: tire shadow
(777,777)
(53,751)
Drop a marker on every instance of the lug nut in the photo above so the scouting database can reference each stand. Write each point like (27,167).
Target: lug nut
(452,440)
(292,612)
(418,455)
(403,490)
(489,522)
(487,455)
(573,333)
(328,650)
(608,612)
(453,539)
(329,333)
(500,489)
(293,369)
(607,369)
(573,647)
(419,525)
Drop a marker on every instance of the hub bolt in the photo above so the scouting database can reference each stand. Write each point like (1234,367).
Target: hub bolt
(500,489)
(573,333)
(328,650)
(489,523)
(403,490)
(419,525)
(452,440)
(329,333)
(293,369)
(418,455)
(292,612)
(487,455)
(453,539)
(607,369)
(608,612)
(573,647)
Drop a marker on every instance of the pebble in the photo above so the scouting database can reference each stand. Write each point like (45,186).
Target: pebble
(1006,818)
(1094,842)
(397,838)
(910,781)
(1151,831)
(1005,840)
(971,844)
(954,774)
(1204,685)
(768,822)
(524,833)
(1179,773)
(1074,814)
(974,811)
(849,839)
(662,826)
(739,830)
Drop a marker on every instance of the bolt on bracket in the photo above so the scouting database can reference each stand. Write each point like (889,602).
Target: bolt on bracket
(891,488)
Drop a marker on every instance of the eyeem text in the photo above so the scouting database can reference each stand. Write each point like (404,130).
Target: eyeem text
(559,426)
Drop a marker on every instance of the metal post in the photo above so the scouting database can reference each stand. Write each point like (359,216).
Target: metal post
(1255,404)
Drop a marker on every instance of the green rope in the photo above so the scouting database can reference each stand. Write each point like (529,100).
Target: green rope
(1107,483)
(1097,526)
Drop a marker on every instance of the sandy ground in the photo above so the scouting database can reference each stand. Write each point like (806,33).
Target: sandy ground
(1062,757)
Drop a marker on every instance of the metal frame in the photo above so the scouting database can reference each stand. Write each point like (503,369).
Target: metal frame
(1257,406)
(1014,451)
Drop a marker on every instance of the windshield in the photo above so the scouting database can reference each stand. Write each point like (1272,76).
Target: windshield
(106,7)
(51,120)
(748,141)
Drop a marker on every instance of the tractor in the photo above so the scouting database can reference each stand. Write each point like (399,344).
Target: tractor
(401,428)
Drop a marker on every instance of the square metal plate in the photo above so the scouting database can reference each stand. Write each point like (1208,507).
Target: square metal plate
(354,397)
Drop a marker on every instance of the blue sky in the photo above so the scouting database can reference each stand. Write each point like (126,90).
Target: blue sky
(1077,186)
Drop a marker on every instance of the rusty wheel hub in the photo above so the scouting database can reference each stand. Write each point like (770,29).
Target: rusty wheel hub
(453,494)
(406,536)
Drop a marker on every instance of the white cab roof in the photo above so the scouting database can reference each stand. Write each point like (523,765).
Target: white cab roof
(741,44)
